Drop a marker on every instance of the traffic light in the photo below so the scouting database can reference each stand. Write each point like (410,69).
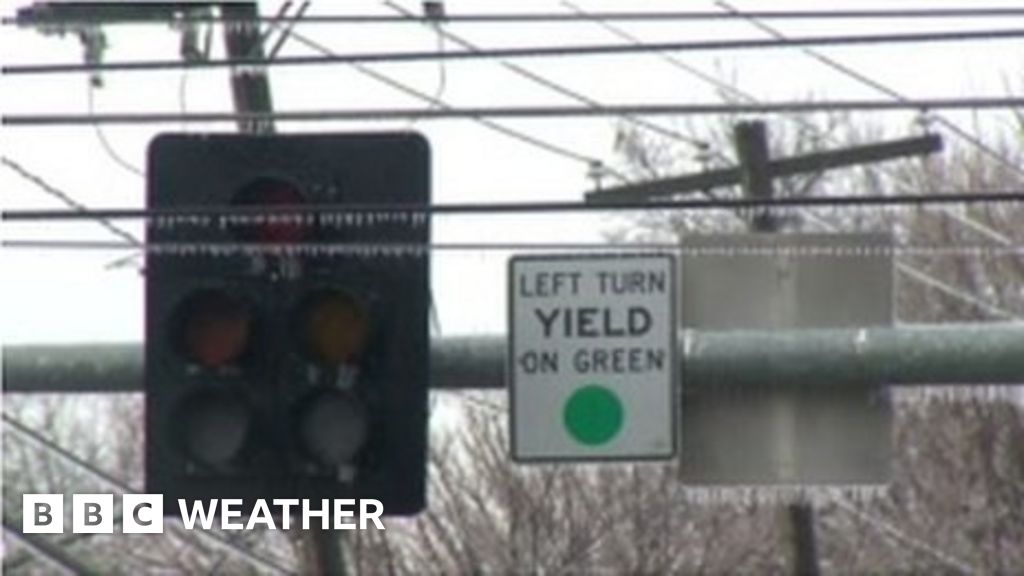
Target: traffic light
(286,342)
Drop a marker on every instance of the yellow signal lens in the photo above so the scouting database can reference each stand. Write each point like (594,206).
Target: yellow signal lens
(336,328)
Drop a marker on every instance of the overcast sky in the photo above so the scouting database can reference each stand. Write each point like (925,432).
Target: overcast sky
(73,296)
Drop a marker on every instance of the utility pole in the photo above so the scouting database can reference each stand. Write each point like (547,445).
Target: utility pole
(755,173)
(250,90)
(250,87)
(752,150)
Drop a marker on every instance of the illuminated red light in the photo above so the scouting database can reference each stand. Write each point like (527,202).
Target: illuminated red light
(273,225)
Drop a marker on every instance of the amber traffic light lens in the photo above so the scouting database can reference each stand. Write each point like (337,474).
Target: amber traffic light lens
(334,327)
(272,225)
(213,328)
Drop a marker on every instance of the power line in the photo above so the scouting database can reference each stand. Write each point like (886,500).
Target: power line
(904,268)
(105,143)
(435,102)
(890,92)
(35,17)
(525,52)
(287,32)
(53,555)
(902,538)
(989,308)
(550,84)
(52,447)
(387,214)
(68,200)
(878,86)
(449,113)
(406,249)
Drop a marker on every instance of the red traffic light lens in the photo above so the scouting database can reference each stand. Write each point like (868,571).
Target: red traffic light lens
(270,225)
(214,426)
(332,426)
(213,328)
(334,327)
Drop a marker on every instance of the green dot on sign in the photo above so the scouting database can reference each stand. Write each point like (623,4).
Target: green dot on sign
(593,415)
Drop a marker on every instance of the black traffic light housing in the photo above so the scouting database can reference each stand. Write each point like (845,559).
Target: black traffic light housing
(287,346)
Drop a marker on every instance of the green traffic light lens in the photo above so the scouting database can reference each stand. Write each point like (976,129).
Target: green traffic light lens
(213,328)
(332,426)
(270,225)
(334,327)
(214,426)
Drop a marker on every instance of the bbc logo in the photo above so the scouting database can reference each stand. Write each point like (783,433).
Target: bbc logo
(92,514)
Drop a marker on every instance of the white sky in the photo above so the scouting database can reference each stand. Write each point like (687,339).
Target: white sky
(70,296)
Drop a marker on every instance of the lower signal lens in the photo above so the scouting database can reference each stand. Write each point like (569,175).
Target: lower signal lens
(214,426)
(332,426)
(213,328)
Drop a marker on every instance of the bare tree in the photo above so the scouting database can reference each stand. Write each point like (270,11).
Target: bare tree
(954,503)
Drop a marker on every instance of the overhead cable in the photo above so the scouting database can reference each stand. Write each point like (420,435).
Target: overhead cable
(386,214)
(449,112)
(550,84)
(54,555)
(33,16)
(879,87)
(66,199)
(902,538)
(526,52)
(908,270)
(50,446)
(410,249)
(434,102)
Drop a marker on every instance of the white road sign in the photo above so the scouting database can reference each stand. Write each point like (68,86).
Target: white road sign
(592,357)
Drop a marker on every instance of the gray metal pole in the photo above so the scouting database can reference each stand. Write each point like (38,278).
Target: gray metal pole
(756,171)
(967,354)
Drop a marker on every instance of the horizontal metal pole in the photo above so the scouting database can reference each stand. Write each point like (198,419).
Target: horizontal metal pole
(966,354)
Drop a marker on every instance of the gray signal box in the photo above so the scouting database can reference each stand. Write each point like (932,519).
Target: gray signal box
(781,435)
